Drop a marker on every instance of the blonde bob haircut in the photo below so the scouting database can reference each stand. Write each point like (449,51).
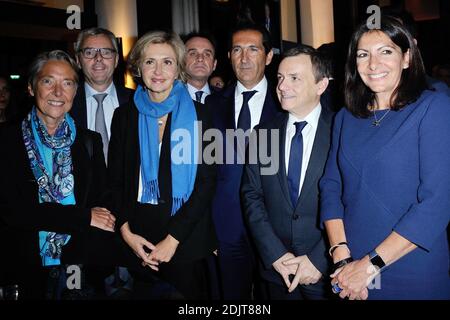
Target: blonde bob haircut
(156,37)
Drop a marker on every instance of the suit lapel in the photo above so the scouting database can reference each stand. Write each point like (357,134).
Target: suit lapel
(282,168)
(318,156)
(123,94)
(230,123)
(269,108)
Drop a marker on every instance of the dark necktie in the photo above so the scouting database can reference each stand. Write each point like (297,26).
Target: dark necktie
(295,162)
(100,123)
(244,119)
(198,96)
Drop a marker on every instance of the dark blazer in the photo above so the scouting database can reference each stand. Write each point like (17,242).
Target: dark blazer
(226,205)
(79,109)
(192,225)
(276,226)
(21,214)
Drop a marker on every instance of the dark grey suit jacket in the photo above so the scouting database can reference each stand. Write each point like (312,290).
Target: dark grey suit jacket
(276,226)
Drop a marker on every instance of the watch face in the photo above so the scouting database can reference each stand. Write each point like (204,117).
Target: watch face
(377,261)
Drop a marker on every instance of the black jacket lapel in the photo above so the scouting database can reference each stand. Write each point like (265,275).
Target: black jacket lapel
(319,154)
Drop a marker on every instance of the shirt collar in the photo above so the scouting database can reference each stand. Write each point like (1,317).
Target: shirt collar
(111,90)
(261,87)
(192,90)
(312,118)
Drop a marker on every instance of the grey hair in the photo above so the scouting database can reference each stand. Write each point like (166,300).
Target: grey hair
(39,62)
(157,37)
(95,32)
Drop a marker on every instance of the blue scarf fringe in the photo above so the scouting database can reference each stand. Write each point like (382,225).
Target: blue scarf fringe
(184,116)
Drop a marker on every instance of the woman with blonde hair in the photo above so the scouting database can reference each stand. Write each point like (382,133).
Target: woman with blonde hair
(162,203)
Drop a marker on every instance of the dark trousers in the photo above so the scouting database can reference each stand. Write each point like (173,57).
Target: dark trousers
(237,270)
(317,291)
(176,281)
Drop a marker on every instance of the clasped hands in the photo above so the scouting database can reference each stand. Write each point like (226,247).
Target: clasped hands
(305,273)
(353,278)
(151,255)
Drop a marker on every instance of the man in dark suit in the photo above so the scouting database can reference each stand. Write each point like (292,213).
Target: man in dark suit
(200,62)
(97,55)
(97,98)
(282,206)
(241,106)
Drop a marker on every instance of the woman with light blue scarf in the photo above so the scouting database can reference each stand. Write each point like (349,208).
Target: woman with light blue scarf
(50,185)
(162,190)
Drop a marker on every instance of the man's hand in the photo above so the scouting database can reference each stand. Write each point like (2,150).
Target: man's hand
(306,273)
(285,270)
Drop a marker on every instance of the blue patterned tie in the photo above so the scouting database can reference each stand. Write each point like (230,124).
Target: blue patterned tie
(244,120)
(198,96)
(295,162)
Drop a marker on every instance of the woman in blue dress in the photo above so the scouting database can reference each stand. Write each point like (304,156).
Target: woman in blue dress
(385,193)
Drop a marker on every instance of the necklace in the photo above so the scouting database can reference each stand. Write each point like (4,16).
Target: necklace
(377,122)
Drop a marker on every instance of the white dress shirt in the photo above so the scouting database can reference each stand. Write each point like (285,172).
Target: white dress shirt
(255,104)
(192,90)
(308,134)
(110,104)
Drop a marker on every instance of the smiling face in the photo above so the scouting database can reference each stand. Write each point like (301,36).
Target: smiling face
(98,71)
(248,57)
(54,90)
(297,88)
(380,63)
(200,61)
(159,70)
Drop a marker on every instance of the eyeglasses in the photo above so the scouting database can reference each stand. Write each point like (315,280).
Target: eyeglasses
(91,53)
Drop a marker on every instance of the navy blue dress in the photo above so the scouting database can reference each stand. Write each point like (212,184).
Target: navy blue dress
(395,177)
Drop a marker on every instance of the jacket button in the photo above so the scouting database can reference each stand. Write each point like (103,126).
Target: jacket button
(295,217)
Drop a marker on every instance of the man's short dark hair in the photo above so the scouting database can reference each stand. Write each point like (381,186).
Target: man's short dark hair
(201,34)
(320,64)
(267,43)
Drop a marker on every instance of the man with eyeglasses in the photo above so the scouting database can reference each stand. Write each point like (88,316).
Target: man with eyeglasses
(200,63)
(97,55)
(93,108)
(243,105)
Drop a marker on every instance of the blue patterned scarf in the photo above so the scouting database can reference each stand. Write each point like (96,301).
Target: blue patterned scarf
(183,153)
(51,164)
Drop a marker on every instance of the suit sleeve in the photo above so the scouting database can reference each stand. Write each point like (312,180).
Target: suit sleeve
(183,223)
(429,217)
(44,216)
(331,206)
(269,245)
(319,256)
